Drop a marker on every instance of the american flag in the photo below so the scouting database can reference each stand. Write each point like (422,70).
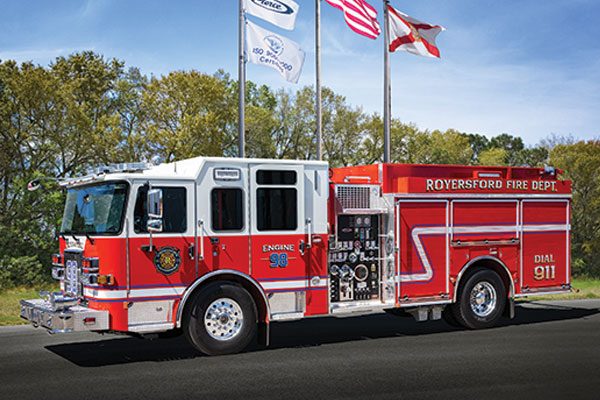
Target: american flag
(360,16)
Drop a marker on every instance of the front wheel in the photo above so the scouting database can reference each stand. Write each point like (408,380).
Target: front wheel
(221,319)
(481,300)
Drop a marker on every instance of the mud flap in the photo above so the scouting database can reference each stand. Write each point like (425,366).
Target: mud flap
(509,309)
(263,334)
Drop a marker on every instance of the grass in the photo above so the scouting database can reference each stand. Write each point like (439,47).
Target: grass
(9,304)
(9,298)
(582,289)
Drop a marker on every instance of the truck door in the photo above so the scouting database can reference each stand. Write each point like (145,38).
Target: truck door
(279,239)
(169,261)
(222,202)
(158,274)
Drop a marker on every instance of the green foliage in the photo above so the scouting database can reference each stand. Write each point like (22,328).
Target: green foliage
(22,271)
(581,162)
(84,110)
(449,147)
(185,114)
(493,156)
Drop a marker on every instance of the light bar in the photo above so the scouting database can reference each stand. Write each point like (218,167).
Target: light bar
(97,172)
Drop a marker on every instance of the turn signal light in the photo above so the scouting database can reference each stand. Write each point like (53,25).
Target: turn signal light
(57,260)
(90,264)
(106,280)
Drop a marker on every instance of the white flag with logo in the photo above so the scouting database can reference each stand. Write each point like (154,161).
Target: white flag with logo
(278,12)
(275,51)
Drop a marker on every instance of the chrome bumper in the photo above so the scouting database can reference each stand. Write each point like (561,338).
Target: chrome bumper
(72,319)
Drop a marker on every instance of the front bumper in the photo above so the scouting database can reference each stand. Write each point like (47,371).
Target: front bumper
(72,319)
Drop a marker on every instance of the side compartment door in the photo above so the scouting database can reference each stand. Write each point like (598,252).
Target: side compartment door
(223,229)
(545,245)
(422,242)
(279,252)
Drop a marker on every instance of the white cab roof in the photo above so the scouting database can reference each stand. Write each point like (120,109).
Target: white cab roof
(188,169)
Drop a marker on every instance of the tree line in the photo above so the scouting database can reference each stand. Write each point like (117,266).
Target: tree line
(86,110)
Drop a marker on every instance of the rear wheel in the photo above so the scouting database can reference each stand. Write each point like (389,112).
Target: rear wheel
(449,318)
(221,319)
(481,300)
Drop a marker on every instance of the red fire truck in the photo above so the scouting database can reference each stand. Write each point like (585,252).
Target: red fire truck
(217,248)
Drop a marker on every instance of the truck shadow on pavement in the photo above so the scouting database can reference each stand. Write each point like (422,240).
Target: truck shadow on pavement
(296,334)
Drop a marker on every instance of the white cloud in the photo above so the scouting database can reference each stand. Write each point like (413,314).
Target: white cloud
(42,56)
(476,87)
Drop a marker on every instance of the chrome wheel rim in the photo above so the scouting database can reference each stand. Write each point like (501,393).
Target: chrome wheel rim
(223,319)
(483,299)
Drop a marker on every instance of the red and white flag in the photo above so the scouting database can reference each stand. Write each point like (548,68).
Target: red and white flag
(414,36)
(360,16)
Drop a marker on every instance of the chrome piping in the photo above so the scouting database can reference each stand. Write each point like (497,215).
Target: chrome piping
(201,227)
(127,261)
(542,293)
(448,247)
(196,265)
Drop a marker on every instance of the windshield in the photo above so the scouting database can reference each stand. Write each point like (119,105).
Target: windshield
(95,209)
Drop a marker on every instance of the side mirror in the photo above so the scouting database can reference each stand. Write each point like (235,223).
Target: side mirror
(154,225)
(154,211)
(155,204)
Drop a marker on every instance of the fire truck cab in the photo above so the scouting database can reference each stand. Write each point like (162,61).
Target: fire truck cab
(217,248)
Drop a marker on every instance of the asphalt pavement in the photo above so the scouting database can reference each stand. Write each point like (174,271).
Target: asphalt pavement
(550,350)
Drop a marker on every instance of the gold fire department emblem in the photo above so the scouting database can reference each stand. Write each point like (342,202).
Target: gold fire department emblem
(167,260)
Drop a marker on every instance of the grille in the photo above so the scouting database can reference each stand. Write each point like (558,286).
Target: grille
(72,271)
(354,196)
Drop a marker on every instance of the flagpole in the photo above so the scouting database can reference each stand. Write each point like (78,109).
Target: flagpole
(241,81)
(319,118)
(387,91)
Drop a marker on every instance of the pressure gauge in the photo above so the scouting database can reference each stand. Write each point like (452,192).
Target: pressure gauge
(346,273)
(334,270)
(361,272)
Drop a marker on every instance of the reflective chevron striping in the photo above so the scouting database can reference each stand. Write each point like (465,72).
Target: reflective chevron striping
(417,232)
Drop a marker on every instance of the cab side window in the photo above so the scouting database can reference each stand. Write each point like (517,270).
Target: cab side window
(174,210)
(227,209)
(276,200)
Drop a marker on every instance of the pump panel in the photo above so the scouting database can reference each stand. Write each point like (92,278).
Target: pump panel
(354,260)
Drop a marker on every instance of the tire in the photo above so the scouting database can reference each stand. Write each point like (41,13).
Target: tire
(173,333)
(488,302)
(221,319)
(448,317)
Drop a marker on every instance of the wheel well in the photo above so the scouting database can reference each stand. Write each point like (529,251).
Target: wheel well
(251,287)
(486,263)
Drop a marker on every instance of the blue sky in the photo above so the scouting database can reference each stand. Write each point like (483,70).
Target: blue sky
(529,68)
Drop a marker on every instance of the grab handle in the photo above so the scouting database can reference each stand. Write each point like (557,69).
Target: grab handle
(201,227)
